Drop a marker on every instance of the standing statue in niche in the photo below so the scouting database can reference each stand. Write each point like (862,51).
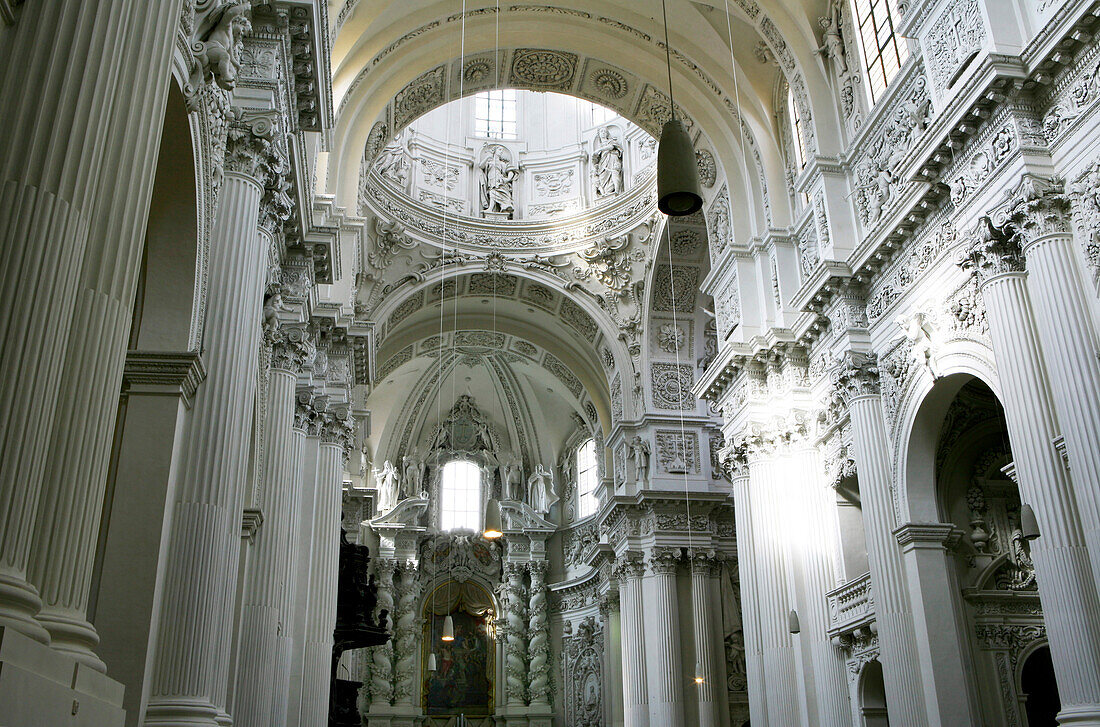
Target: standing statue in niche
(497,177)
(640,450)
(413,476)
(513,480)
(540,490)
(607,163)
(387,487)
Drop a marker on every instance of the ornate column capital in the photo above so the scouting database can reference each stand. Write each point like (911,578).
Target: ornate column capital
(1038,208)
(735,459)
(338,427)
(628,566)
(856,376)
(993,252)
(250,149)
(303,408)
(538,569)
(707,563)
(663,561)
(291,348)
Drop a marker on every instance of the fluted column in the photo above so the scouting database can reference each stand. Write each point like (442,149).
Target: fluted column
(304,414)
(813,509)
(538,637)
(259,676)
(773,578)
(62,61)
(515,636)
(737,463)
(76,469)
(612,628)
(320,617)
(406,635)
(1040,214)
(856,383)
(704,569)
(1071,609)
(664,663)
(628,571)
(195,634)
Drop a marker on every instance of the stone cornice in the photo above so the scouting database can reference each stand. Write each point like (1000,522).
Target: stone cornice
(165,373)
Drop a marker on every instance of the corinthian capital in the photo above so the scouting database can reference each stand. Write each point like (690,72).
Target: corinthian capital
(303,409)
(856,376)
(994,251)
(627,566)
(663,561)
(291,348)
(735,459)
(251,149)
(338,427)
(1038,208)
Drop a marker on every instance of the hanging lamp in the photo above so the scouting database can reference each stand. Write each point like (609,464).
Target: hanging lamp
(792,622)
(1029,524)
(493,528)
(699,672)
(678,191)
(448,628)
(431,662)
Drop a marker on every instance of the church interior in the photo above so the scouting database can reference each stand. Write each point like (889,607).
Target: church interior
(493,363)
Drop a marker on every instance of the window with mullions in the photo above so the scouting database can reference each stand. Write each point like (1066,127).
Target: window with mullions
(882,54)
(587,479)
(460,487)
(495,114)
(796,128)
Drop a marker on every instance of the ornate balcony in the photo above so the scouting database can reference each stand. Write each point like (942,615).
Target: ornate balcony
(851,606)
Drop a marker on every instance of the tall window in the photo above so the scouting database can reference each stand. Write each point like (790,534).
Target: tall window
(587,479)
(495,114)
(796,128)
(601,115)
(461,501)
(882,54)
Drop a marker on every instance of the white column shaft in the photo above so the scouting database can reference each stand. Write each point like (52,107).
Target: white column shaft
(263,616)
(76,470)
(750,603)
(635,686)
(813,504)
(664,663)
(204,543)
(893,614)
(773,573)
(707,635)
(323,581)
(1071,609)
(1066,332)
(57,131)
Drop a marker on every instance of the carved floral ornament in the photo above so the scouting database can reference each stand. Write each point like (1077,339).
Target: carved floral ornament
(856,376)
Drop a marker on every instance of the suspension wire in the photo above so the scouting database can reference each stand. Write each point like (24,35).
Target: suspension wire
(737,99)
(668,62)
(442,303)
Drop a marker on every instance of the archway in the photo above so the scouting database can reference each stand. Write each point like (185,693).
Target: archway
(464,679)
(872,697)
(1039,689)
(161,374)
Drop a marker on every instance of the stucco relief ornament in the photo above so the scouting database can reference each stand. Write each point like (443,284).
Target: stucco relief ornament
(388,239)
(609,263)
(918,330)
(670,338)
(994,252)
(393,163)
(1085,192)
(218,42)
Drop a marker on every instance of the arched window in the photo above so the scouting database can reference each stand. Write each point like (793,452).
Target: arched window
(796,129)
(587,479)
(882,54)
(460,505)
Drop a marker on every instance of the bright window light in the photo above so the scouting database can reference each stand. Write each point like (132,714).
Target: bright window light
(587,479)
(461,502)
(495,114)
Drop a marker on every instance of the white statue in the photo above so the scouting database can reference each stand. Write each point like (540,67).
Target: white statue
(497,175)
(832,44)
(918,329)
(513,480)
(640,450)
(387,487)
(413,476)
(393,163)
(607,164)
(540,490)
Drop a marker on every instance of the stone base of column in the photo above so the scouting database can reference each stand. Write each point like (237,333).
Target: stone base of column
(39,686)
(181,712)
(1080,715)
(19,602)
(74,637)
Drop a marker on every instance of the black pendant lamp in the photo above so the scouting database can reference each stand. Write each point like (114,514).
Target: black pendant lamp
(678,192)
